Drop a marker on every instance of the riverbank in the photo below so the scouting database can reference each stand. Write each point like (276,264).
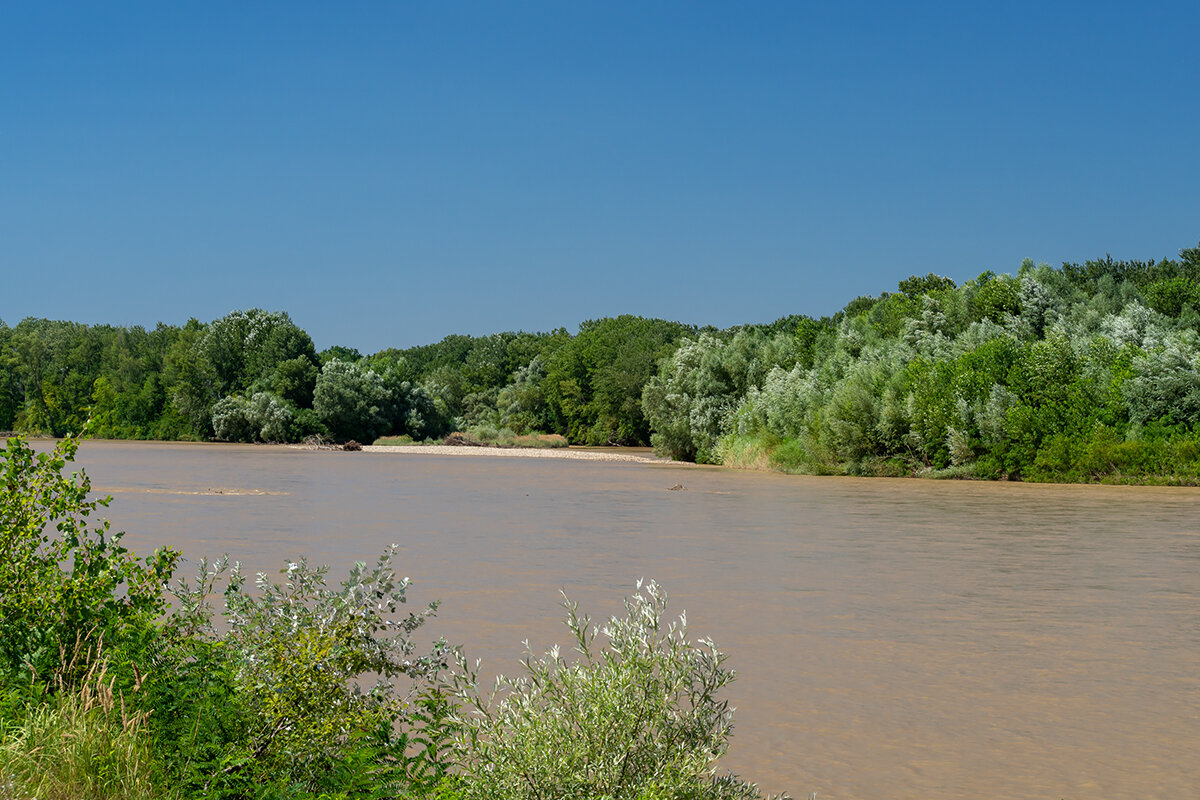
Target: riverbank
(578,454)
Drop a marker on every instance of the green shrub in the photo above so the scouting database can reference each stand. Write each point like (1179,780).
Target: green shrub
(282,696)
(65,597)
(639,717)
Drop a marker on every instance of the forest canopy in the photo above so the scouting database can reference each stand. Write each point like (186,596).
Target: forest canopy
(1088,371)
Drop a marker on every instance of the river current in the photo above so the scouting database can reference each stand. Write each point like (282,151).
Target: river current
(893,638)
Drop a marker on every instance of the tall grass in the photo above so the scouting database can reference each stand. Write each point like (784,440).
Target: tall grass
(83,745)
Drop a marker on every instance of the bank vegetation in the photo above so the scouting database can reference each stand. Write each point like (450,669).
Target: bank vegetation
(1084,372)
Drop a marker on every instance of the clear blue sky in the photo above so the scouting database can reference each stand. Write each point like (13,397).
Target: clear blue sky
(392,172)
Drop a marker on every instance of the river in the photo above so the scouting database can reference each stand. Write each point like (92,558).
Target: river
(893,638)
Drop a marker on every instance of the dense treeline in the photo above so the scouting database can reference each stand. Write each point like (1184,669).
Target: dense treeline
(1084,372)
(1087,372)
(256,376)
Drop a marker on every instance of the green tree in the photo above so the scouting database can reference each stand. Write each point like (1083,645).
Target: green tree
(193,381)
(690,401)
(56,366)
(340,353)
(354,402)
(594,382)
(9,387)
(1169,296)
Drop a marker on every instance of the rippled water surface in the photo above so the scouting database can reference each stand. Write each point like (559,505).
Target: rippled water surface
(893,638)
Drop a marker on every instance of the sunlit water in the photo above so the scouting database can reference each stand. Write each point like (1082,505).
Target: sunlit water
(893,638)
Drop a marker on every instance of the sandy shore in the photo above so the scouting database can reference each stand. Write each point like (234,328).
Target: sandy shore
(513,452)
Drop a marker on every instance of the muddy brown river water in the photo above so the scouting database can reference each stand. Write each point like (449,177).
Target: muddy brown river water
(893,638)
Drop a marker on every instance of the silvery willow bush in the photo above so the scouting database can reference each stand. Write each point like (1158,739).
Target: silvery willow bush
(263,417)
(354,401)
(311,685)
(639,717)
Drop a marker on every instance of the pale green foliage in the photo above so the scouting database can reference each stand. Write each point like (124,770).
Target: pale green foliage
(1036,303)
(930,333)
(640,716)
(353,401)
(685,419)
(843,409)
(522,403)
(262,418)
(420,417)
(991,415)
(1166,382)
(1135,325)
(783,403)
(302,652)
(230,422)
(272,416)
(690,401)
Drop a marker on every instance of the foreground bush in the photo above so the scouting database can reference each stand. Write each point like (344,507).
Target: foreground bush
(308,687)
(66,582)
(638,718)
(299,689)
(272,701)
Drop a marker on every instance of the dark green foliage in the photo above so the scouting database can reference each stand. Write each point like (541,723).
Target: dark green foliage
(859,305)
(55,365)
(294,380)
(996,297)
(148,384)
(340,353)
(594,382)
(810,335)
(9,387)
(891,314)
(1090,274)
(916,286)
(247,346)
(1170,295)
(417,414)
(193,381)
